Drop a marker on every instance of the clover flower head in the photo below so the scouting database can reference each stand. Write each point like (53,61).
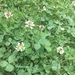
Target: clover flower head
(44,8)
(60,50)
(41,27)
(73,3)
(29,24)
(20,46)
(62,29)
(7,15)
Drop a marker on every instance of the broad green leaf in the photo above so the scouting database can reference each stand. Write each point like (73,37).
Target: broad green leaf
(21,72)
(1,73)
(29,51)
(44,35)
(55,65)
(51,25)
(47,68)
(27,44)
(27,73)
(35,69)
(34,57)
(7,43)
(1,54)
(3,63)
(9,68)
(48,48)
(1,38)
(10,39)
(44,42)
(37,46)
(3,49)
(11,59)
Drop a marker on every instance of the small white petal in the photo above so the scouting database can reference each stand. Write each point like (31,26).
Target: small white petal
(26,26)
(20,46)
(30,24)
(60,50)
(62,29)
(7,15)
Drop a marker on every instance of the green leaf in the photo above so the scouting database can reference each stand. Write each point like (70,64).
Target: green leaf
(35,69)
(51,25)
(1,54)
(9,68)
(3,49)
(1,38)
(11,59)
(3,63)
(27,44)
(47,68)
(44,35)
(34,57)
(48,48)
(29,51)
(27,73)
(10,39)
(1,73)
(21,72)
(55,65)
(7,43)
(44,42)
(37,46)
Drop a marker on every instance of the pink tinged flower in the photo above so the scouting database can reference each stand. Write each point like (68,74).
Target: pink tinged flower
(20,46)
(60,50)
(29,24)
(7,15)
(41,27)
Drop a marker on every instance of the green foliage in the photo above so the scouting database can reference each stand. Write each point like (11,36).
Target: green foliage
(9,68)
(31,49)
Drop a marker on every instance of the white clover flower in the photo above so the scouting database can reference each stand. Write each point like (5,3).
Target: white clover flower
(73,3)
(60,50)
(44,8)
(62,29)
(7,15)
(20,46)
(29,24)
(41,27)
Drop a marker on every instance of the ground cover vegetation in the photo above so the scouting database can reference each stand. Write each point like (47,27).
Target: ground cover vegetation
(37,37)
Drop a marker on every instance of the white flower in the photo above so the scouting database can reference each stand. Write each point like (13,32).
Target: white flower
(44,8)
(62,29)
(7,15)
(29,24)
(20,46)
(60,50)
(73,3)
(41,27)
